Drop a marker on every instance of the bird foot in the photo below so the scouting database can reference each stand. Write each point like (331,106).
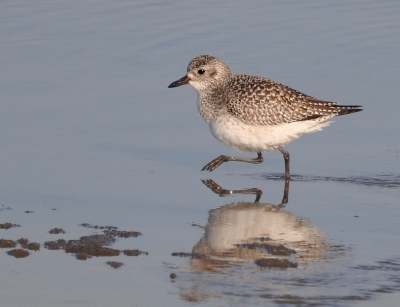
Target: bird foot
(215,163)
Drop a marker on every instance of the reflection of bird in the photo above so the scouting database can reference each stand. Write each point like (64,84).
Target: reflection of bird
(246,231)
(243,232)
(254,114)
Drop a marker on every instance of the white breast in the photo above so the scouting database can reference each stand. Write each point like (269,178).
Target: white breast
(243,137)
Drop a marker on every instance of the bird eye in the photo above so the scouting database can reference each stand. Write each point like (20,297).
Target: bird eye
(201,71)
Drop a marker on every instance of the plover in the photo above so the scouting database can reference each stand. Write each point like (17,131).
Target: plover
(254,114)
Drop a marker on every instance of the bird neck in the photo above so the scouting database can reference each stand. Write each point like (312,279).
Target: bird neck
(209,105)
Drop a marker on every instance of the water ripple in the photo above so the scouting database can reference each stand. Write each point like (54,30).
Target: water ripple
(379,180)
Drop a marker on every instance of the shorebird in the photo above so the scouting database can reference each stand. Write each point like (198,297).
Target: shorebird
(254,114)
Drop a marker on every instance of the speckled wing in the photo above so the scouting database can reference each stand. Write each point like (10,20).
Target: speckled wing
(257,100)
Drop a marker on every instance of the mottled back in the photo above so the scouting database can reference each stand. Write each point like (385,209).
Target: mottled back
(261,101)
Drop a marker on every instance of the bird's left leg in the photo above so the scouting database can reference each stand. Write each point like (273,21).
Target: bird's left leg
(221,159)
(286,156)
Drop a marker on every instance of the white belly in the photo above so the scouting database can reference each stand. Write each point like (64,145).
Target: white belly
(243,137)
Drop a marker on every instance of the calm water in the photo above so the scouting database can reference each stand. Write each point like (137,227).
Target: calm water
(89,128)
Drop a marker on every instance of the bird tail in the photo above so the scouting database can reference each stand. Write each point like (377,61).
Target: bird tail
(343,110)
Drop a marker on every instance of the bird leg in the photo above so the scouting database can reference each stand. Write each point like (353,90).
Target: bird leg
(221,159)
(286,156)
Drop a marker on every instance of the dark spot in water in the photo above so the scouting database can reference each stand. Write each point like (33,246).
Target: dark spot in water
(87,225)
(276,250)
(115,264)
(97,251)
(8,225)
(134,252)
(18,253)
(95,245)
(86,247)
(56,231)
(55,245)
(122,234)
(275,263)
(23,241)
(7,243)
(191,255)
(113,231)
(181,254)
(172,276)
(31,246)
(81,256)
(34,246)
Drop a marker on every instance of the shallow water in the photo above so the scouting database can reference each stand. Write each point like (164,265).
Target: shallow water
(91,134)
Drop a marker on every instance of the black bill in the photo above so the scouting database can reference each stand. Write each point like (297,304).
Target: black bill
(181,81)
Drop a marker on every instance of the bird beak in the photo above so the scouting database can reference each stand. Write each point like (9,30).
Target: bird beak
(181,81)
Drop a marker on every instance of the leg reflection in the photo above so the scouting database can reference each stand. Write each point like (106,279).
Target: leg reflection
(217,189)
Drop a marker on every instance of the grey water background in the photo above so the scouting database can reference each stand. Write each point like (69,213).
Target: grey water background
(88,127)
